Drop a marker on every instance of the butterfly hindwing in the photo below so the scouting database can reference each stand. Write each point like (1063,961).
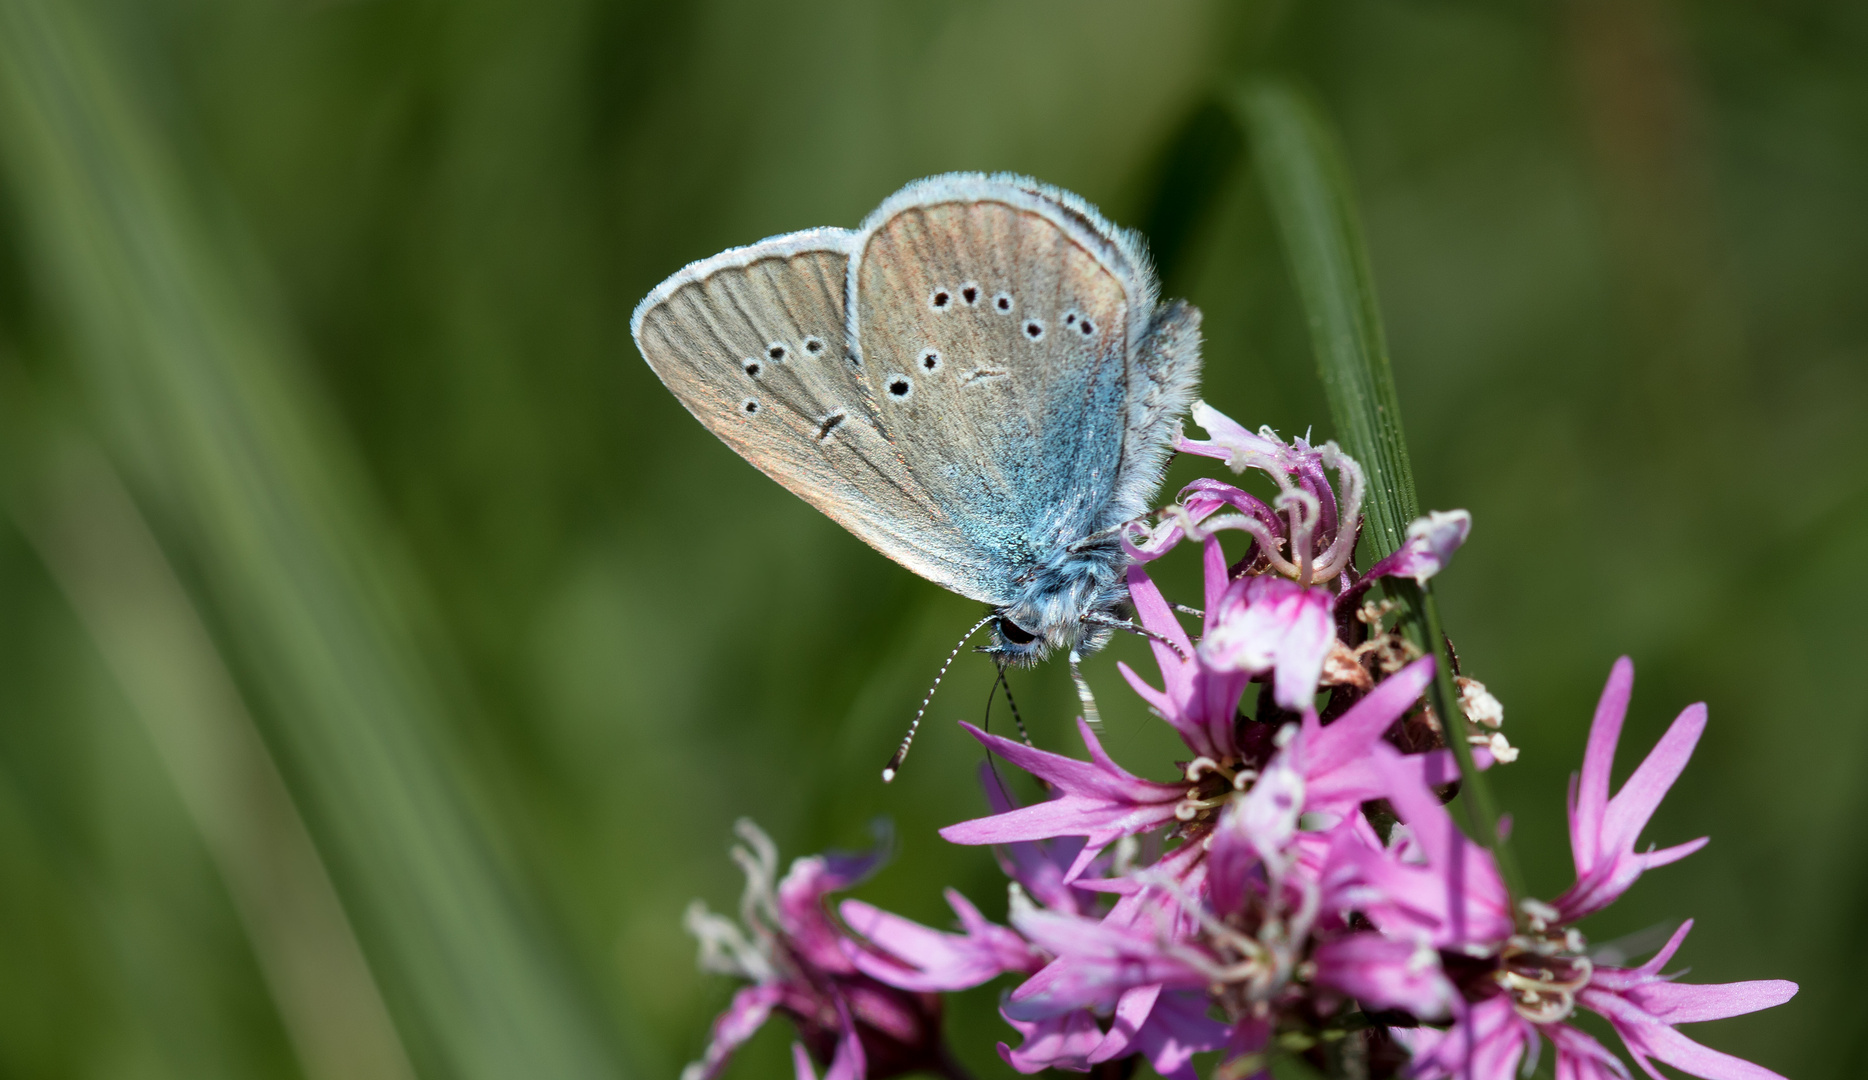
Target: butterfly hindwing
(996,322)
(752,342)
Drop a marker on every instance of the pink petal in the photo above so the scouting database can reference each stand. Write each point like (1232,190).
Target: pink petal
(1459,889)
(1581,1057)
(1038,866)
(1603,835)
(849,1062)
(1431,541)
(1617,978)
(1177,1029)
(744,1016)
(1131,1012)
(1230,440)
(1365,722)
(1213,560)
(1685,1003)
(1631,808)
(1485,1044)
(922,959)
(1683,1053)
(1269,624)
(1158,616)
(1646,1036)
(1386,973)
(1592,795)
(1100,800)
(801,1062)
(1097,962)
(1063,1042)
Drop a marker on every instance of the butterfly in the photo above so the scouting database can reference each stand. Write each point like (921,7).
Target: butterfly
(978,382)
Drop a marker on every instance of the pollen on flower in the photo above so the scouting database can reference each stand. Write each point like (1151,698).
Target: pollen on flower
(1371,613)
(1390,649)
(1495,744)
(1478,703)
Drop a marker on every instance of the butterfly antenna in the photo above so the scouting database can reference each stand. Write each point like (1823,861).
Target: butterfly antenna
(901,753)
(1134,628)
(1090,713)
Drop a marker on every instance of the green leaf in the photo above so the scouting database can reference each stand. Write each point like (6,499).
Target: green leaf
(231,447)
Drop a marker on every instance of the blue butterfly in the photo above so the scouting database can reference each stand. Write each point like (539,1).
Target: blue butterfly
(978,382)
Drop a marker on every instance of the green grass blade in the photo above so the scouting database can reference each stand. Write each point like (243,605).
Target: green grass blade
(1302,171)
(1307,184)
(123,590)
(217,425)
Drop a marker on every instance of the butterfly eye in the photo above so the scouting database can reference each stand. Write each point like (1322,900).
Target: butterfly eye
(775,350)
(1087,327)
(753,367)
(930,361)
(940,300)
(1034,330)
(1015,633)
(1002,302)
(969,293)
(749,407)
(813,345)
(900,386)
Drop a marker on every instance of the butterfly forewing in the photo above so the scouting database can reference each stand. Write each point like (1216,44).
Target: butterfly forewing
(993,330)
(753,343)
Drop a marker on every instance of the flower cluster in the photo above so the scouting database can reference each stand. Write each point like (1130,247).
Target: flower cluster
(792,955)
(1297,888)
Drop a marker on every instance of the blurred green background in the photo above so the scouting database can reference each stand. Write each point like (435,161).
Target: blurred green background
(378,639)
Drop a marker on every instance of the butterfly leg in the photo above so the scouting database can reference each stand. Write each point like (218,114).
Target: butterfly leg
(1134,628)
(1013,705)
(1103,535)
(1090,713)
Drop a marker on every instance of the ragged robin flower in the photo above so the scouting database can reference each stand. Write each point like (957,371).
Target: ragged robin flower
(1522,976)
(793,955)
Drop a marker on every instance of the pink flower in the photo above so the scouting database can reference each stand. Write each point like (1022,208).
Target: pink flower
(1306,534)
(1101,801)
(1523,983)
(1603,831)
(1270,613)
(1268,625)
(1068,947)
(797,961)
(1098,960)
